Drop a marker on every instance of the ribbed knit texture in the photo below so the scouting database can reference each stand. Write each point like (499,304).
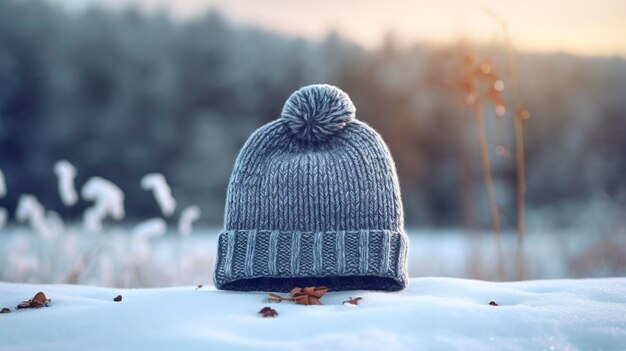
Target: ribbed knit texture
(313,200)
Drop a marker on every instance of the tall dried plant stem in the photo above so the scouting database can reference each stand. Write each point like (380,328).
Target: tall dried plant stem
(491,197)
(519,154)
(521,188)
(519,140)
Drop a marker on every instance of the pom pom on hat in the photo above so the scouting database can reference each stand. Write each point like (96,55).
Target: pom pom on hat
(317,112)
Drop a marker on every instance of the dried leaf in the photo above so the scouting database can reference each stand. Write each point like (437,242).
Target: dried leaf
(39,300)
(295,291)
(493,303)
(319,291)
(268,312)
(274,298)
(304,299)
(354,301)
(118,298)
(301,298)
(314,300)
(24,304)
(309,295)
(5,310)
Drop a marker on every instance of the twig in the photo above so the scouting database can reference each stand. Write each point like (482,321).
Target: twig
(491,198)
(519,138)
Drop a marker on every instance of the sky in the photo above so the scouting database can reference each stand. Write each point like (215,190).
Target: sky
(583,27)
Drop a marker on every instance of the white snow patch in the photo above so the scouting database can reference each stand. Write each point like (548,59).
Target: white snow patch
(431,314)
(161,191)
(66,173)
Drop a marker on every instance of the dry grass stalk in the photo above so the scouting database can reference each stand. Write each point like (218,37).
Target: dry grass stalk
(521,114)
(488,180)
(481,76)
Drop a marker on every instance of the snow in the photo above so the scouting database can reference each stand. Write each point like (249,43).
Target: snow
(156,183)
(66,173)
(432,314)
(189,215)
(109,201)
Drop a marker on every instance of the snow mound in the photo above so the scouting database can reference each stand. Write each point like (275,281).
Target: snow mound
(431,314)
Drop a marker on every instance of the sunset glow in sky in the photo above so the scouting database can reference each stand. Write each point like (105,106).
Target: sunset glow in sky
(583,27)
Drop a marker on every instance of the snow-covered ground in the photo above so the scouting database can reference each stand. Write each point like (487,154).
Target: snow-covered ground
(431,314)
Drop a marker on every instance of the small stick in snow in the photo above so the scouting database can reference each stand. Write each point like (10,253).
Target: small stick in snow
(275,298)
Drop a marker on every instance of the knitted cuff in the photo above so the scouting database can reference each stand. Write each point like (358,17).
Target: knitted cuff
(266,260)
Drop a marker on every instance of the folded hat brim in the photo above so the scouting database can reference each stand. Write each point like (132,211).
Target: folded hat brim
(271,260)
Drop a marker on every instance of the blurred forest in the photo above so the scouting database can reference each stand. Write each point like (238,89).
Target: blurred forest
(123,94)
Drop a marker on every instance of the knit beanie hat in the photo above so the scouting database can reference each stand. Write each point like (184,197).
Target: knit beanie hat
(313,200)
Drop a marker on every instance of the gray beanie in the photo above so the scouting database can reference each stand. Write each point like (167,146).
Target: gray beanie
(313,200)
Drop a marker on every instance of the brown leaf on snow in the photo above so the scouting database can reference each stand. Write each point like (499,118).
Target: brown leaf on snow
(5,310)
(318,291)
(39,300)
(295,291)
(304,299)
(118,298)
(354,301)
(309,295)
(492,303)
(268,312)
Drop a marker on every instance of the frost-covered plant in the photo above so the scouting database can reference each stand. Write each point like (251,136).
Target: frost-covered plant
(4,215)
(156,183)
(142,233)
(30,211)
(3,185)
(125,259)
(66,173)
(109,201)
(189,215)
